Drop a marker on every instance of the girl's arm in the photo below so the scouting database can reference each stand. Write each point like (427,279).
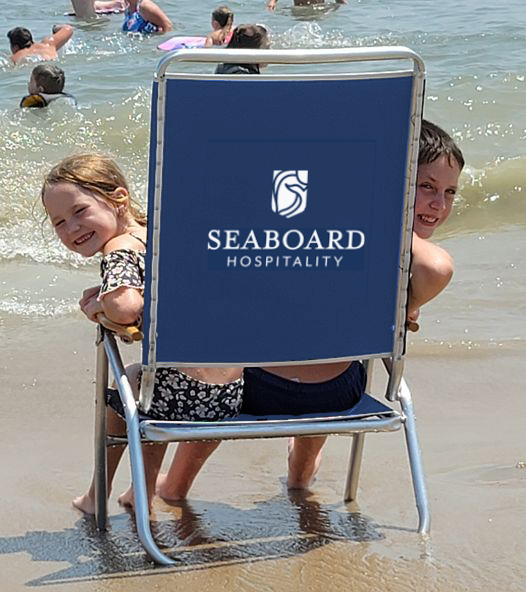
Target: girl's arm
(120,297)
(431,271)
(151,12)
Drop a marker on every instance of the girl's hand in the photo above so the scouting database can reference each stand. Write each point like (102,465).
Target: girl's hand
(91,309)
(88,294)
(88,303)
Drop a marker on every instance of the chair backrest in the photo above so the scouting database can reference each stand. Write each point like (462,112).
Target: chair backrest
(280,209)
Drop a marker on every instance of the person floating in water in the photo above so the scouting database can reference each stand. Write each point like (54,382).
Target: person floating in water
(23,46)
(271,4)
(144,16)
(45,86)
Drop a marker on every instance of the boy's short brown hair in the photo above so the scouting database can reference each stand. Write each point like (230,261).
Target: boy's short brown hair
(434,142)
(49,78)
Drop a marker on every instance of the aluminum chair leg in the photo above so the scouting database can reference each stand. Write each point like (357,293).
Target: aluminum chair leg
(355,460)
(355,463)
(415,459)
(142,511)
(100,473)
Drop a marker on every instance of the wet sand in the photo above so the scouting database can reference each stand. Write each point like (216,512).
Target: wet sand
(240,530)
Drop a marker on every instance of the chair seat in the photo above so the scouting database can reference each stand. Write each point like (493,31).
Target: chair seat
(368,415)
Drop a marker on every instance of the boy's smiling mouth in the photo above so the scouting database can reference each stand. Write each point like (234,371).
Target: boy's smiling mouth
(427,219)
(85,237)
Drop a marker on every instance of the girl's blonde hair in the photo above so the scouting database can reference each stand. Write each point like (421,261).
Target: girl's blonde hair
(96,173)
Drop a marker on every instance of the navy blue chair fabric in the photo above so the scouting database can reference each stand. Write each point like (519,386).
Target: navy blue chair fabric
(279,293)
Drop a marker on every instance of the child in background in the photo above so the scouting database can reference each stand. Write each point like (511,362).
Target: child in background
(144,16)
(23,46)
(87,200)
(245,37)
(222,25)
(46,85)
(275,390)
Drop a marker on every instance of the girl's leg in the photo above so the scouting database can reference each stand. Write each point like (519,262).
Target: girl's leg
(188,460)
(116,426)
(304,460)
(152,455)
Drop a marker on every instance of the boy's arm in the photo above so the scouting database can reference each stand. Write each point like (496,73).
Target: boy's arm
(61,35)
(431,271)
(151,12)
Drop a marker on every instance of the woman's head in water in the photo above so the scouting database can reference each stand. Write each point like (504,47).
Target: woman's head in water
(249,37)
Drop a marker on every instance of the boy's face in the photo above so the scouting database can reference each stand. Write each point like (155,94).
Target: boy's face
(436,186)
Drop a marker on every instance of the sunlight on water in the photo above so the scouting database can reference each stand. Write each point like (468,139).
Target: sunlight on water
(476,88)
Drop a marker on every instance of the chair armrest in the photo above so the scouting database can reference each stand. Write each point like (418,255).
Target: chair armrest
(127,333)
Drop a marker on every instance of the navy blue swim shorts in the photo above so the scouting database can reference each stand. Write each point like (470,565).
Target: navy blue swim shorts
(268,394)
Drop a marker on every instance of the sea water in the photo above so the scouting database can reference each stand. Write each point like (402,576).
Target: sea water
(476,89)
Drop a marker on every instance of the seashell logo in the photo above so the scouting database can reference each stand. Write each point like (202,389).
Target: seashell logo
(289,192)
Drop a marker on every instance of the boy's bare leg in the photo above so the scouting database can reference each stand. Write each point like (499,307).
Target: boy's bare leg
(188,460)
(116,426)
(304,460)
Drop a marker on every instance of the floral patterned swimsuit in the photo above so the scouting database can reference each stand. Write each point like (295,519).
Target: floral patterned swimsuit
(176,396)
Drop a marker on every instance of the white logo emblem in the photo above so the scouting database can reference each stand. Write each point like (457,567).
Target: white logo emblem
(289,192)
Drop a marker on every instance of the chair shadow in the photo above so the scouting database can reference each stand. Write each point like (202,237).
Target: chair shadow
(201,535)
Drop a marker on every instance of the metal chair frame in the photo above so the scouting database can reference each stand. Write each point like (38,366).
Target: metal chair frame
(108,355)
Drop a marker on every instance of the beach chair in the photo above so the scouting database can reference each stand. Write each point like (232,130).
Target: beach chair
(280,215)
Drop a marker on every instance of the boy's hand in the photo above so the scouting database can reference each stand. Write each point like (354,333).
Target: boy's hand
(271,4)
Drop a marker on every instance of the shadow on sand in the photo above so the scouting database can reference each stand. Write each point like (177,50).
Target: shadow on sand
(200,535)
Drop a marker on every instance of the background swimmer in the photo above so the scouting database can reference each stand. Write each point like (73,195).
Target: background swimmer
(22,44)
(145,16)
(46,85)
(222,25)
(271,4)
(245,37)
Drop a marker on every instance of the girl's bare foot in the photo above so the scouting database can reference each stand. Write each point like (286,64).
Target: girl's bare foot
(304,461)
(85,503)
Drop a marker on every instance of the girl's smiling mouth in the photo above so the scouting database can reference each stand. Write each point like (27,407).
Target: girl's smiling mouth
(85,237)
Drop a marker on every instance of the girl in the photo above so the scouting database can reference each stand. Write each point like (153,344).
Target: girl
(222,24)
(144,16)
(86,197)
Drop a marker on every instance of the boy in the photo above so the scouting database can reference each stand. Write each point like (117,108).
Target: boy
(440,163)
(46,85)
(22,44)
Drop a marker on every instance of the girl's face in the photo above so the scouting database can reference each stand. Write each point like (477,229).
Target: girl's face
(436,186)
(83,221)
